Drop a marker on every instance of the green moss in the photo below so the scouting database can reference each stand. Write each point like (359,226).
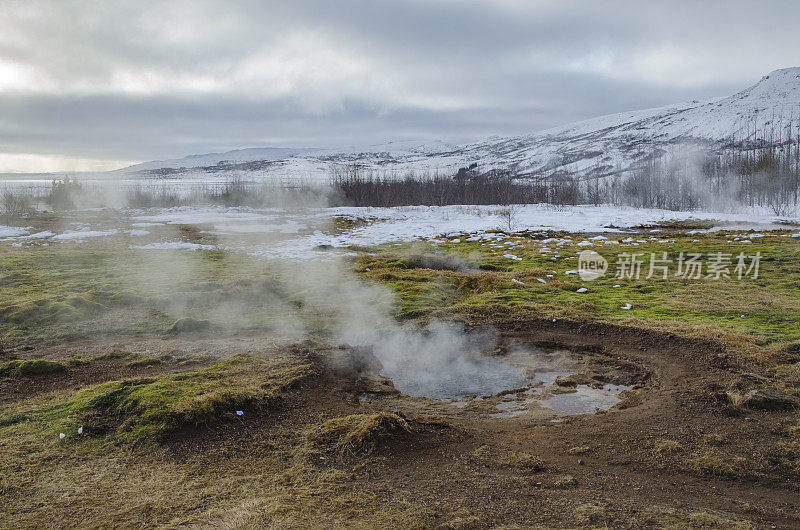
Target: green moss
(144,361)
(144,410)
(31,368)
(770,304)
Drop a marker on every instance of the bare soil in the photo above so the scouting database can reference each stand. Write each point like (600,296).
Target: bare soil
(462,463)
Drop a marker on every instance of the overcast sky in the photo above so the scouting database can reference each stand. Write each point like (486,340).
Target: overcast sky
(100,84)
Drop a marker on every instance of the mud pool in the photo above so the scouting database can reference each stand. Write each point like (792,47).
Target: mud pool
(511,385)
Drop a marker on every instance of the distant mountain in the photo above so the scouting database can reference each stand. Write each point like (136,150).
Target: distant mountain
(768,110)
(230,157)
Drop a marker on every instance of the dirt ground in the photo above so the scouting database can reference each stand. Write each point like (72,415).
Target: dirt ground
(655,460)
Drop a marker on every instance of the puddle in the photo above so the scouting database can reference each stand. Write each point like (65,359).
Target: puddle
(582,400)
(585,399)
(477,384)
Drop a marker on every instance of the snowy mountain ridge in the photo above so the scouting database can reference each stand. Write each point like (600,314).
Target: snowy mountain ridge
(602,145)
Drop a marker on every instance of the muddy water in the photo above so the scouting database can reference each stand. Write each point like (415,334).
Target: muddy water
(482,384)
(585,399)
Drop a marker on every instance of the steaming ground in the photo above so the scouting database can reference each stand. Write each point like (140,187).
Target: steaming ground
(228,368)
(439,362)
(305,248)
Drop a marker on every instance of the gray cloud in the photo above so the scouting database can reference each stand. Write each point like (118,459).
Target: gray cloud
(144,79)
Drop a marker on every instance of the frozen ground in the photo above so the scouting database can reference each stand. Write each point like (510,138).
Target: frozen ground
(300,234)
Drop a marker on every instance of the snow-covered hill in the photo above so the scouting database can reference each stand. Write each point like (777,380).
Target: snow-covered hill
(768,109)
(230,157)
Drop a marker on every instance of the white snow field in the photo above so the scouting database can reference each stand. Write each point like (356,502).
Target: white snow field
(300,234)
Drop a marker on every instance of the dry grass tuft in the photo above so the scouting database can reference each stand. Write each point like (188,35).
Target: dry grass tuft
(661,447)
(526,461)
(360,432)
(116,353)
(671,519)
(589,514)
(712,463)
(714,439)
(462,520)
(565,482)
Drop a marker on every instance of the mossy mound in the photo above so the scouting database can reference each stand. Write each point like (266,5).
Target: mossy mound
(144,410)
(144,361)
(360,432)
(32,368)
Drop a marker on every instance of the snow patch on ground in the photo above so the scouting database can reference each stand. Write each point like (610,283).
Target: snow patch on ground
(173,245)
(82,234)
(12,231)
(309,233)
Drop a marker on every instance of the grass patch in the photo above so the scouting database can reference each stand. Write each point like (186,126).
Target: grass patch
(31,368)
(103,287)
(144,410)
(757,319)
(144,361)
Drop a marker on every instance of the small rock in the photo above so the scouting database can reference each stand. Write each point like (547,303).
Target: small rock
(565,381)
(765,399)
(580,461)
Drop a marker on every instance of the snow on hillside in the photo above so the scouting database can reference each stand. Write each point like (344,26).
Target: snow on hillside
(229,157)
(600,145)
